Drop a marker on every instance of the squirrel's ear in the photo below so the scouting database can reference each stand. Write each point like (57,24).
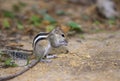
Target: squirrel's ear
(56,30)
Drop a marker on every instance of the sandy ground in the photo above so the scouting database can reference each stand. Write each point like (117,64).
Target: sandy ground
(94,58)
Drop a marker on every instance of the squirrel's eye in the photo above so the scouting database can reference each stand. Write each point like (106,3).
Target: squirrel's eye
(63,35)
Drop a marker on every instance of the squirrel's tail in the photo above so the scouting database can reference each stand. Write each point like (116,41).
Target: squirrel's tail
(16,54)
(33,63)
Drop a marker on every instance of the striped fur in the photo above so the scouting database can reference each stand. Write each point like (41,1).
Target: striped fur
(38,37)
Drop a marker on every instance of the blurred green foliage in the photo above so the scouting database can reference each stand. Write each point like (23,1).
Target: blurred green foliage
(47,17)
(50,27)
(35,20)
(9,63)
(60,12)
(111,22)
(17,7)
(9,14)
(74,26)
(20,26)
(96,22)
(6,23)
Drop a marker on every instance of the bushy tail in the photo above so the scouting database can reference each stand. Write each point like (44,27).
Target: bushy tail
(16,54)
(33,63)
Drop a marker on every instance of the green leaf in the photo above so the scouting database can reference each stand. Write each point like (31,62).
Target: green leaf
(8,14)
(111,22)
(82,36)
(96,22)
(35,20)
(49,28)
(74,26)
(27,62)
(60,12)
(17,7)
(20,25)
(8,62)
(6,23)
(49,18)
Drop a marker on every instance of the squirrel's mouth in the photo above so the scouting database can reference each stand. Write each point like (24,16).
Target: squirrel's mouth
(64,42)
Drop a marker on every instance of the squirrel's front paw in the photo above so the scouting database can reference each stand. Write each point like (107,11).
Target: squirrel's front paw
(51,56)
(46,60)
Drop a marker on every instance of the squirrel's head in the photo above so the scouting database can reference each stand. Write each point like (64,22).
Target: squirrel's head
(57,37)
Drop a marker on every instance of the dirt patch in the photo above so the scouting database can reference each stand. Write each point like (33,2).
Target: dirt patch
(91,57)
(94,58)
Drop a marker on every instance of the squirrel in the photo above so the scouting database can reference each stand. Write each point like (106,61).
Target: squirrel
(42,44)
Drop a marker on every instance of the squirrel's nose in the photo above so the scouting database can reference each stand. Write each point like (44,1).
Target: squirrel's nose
(66,42)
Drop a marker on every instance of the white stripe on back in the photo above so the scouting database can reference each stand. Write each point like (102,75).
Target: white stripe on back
(39,37)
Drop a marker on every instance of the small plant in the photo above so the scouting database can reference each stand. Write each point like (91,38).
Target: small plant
(35,20)
(6,23)
(17,7)
(49,19)
(82,36)
(49,28)
(111,22)
(8,14)
(74,26)
(9,63)
(60,12)
(20,25)
(27,61)
(96,22)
